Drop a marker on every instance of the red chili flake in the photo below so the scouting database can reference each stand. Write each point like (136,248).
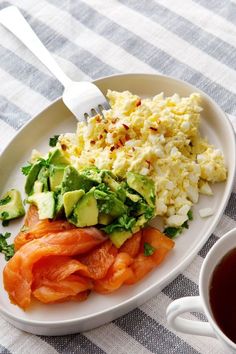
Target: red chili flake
(64,147)
(114,120)
(133,148)
(127,137)
(149,163)
(138,103)
(100,136)
(125,126)
(154,129)
(92,142)
(98,118)
(121,142)
(112,148)
(105,131)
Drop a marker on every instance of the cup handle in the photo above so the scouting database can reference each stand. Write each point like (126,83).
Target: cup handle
(188,304)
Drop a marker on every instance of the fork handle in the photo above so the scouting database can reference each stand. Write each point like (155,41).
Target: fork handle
(13,20)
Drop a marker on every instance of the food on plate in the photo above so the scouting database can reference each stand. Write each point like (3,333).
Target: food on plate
(158,138)
(11,206)
(67,265)
(93,194)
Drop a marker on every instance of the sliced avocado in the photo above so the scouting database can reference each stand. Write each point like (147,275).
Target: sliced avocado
(115,186)
(86,211)
(93,174)
(134,197)
(43,178)
(45,203)
(119,237)
(11,205)
(32,176)
(104,219)
(57,158)
(141,222)
(109,204)
(56,173)
(72,181)
(38,187)
(59,206)
(143,185)
(70,199)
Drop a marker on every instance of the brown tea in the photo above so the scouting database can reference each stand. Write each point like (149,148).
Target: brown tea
(223,294)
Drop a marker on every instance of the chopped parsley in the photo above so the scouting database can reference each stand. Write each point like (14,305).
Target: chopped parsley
(5,222)
(26,169)
(148,249)
(5,248)
(171,232)
(53,140)
(4,215)
(190,215)
(5,200)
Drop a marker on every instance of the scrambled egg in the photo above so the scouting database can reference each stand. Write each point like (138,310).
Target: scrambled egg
(156,137)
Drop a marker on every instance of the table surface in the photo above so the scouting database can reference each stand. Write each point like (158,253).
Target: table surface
(191,40)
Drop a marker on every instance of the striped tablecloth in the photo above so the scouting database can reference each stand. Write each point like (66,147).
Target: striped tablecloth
(191,40)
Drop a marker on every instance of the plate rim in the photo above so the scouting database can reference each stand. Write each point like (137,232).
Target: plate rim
(185,262)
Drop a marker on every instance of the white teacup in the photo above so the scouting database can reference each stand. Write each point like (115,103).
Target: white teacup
(201,303)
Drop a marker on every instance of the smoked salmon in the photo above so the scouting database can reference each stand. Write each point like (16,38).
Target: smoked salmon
(17,274)
(55,261)
(35,228)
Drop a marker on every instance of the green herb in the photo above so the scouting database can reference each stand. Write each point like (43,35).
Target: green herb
(190,215)
(148,249)
(5,200)
(25,169)
(5,222)
(124,222)
(185,224)
(172,231)
(53,140)
(7,250)
(4,215)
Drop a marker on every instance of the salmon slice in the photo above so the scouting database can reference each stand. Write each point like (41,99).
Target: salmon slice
(35,228)
(116,276)
(53,280)
(144,264)
(98,261)
(52,291)
(132,245)
(17,274)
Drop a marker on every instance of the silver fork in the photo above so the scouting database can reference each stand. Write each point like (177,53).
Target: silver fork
(84,99)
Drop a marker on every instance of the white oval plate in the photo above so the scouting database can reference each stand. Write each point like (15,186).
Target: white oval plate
(72,317)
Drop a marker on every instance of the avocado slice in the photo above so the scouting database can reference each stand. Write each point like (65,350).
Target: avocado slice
(143,185)
(133,197)
(45,203)
(11,205)
(115,187)
(70,199)
(93,174)
(109,204)
(32,176)
(104,219)
(86,211)
(56,173)
(119,237)
(72,181)
(59,206)
(43,178)
(57,158)
(38,187)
